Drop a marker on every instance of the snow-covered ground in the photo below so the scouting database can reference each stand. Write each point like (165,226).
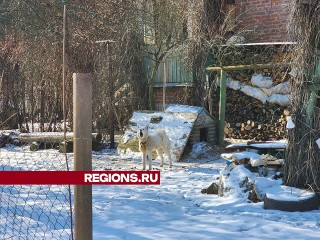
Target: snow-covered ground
(174,210)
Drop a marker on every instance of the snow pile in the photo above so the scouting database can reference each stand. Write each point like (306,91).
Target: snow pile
(280,99)
(258,80)
(290,124)
(263,160)
(274,190)
(176,108)
(200,150)
(281,88)
(237,156)
(255,162)
(318,142)
(255,93)
(263,185)
(236,39)
(235,181)
(285,193)
(268,144)
(233,84)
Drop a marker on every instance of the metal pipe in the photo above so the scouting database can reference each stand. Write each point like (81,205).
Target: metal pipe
(242,67)
(222,107)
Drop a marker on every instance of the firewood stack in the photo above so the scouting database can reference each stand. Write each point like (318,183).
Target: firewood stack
(278,75)
(248,118)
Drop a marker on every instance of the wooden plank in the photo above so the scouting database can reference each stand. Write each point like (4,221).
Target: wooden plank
(174,70)
(178,70)
(209,125)
(195,135)
(169,71)
(212,129)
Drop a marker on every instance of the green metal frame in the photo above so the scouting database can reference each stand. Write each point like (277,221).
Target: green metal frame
(223,90)
(314,88)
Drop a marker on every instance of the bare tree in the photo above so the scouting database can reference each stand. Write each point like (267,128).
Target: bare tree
(165,30)
(302,166)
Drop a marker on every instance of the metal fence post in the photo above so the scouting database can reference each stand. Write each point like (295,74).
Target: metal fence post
(222,107)
(82,128)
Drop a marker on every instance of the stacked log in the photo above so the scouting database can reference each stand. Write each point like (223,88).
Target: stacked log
(278,75)
(258,131)
(247,118)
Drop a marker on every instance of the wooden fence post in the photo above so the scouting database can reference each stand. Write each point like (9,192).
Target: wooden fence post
(82,128)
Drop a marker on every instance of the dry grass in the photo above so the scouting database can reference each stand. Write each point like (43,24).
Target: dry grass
(302,163)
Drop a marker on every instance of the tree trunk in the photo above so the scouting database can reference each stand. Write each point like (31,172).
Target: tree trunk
(151,81)
(52,137)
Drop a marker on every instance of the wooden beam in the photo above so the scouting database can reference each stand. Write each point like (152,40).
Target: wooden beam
(242,67)
(82,139)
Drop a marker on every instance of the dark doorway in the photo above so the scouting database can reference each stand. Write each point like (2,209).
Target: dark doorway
(203,135)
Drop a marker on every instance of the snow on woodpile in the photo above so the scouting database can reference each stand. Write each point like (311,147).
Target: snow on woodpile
(261,145)
(263,89)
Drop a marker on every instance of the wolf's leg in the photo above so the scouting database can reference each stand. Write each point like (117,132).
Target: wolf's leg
(169,156)
(160,154)
(150,159)
(144,161)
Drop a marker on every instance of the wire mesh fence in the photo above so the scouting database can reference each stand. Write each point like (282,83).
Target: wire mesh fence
(33,211)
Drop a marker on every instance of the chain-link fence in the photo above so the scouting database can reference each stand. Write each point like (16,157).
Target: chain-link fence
(33,211)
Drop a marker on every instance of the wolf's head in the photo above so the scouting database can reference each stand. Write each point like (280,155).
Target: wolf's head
(142,133)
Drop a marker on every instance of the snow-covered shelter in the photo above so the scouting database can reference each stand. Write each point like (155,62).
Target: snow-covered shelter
(183,124)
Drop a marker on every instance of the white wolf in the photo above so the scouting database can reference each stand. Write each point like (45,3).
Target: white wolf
(158,141)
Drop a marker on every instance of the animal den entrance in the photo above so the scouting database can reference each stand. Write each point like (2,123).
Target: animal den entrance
(183,124)
(204,134)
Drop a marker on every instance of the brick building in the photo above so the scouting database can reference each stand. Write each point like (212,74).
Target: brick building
(262,20)
(258,21)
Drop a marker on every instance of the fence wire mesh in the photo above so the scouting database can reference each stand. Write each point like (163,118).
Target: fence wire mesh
(33,211)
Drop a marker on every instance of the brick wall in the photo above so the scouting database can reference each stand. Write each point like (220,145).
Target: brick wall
(263,20)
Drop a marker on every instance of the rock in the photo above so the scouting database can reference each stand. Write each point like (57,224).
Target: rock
(212,189)
(253,197)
